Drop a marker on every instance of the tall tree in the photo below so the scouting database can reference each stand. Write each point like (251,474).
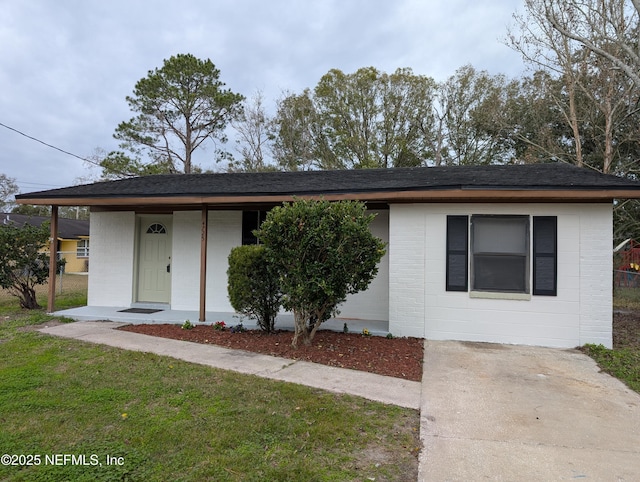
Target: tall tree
(299,144)
(546,49)
(179,107)
(372,119)
(596,97)
(612,98)
(359,120)
(254,130)
(407,119)
(472,104)
(533,123)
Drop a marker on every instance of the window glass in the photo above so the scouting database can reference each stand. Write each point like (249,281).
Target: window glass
(500,253)
(156,228)
(500,235)
(251,220)
(82,250)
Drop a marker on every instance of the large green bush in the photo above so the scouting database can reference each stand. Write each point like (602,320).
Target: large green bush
(253,288)
(321,251)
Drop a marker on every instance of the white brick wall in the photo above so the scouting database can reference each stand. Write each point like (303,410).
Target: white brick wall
(112,253)
(596,267)
(225,232)
(420,306)
(373,304)
(407,270)
(185,261)
(410,286)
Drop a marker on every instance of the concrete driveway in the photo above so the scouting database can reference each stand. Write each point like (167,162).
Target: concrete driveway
(501,412)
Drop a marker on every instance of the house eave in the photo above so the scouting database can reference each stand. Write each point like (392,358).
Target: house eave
(419,196)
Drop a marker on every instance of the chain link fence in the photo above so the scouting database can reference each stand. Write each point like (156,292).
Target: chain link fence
(67,284)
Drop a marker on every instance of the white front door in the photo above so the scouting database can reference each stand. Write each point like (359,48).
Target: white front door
(154,259)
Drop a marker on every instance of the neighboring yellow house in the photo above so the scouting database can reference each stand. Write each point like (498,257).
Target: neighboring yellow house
(73,239)
(76,252)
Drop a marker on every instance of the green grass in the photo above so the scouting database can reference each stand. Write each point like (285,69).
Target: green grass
(623,361)
(171,420)
(71,291)
(626,298)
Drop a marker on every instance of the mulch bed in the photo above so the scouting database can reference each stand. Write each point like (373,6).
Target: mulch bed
(395,357)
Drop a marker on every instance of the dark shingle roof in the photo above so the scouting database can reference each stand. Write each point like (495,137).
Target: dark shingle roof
(508,177)
(67,228)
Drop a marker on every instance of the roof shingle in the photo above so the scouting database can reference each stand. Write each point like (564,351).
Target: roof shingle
(551,176)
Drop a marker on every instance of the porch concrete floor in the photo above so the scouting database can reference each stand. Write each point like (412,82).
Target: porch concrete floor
(283,321)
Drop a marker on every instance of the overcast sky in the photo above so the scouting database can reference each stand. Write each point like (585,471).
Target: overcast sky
(67,66)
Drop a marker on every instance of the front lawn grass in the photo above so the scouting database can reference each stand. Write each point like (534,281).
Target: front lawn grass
(71,291)
(623,361)
(165,419)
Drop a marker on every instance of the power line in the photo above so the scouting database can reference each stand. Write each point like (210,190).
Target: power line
(59,149)
(48,145)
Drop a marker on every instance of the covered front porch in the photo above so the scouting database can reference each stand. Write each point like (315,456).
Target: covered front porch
(158,314)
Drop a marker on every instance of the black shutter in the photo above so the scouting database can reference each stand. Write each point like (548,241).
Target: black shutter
(545,255)
(457,253)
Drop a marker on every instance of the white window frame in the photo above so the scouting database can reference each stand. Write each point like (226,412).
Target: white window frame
(82,248)
(496,257)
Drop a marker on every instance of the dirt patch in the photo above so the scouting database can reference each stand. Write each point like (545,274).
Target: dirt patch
(395,357)
(626,329)
(48,324)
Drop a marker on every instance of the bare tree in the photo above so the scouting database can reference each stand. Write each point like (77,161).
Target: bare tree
(255,134)
(598,25)
(543,47)
(569,39)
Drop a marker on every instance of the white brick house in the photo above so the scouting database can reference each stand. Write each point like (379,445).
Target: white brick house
(509,254)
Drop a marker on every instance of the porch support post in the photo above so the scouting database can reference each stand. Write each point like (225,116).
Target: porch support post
(53,258)
(204,225)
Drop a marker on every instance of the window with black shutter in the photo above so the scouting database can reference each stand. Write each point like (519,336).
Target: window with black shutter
(545,259)
(457,253)
(500,253)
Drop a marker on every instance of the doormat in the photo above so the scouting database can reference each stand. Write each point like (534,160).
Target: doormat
(144,311)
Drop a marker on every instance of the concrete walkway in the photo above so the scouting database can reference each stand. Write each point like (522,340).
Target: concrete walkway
(503,412)
(340,380)
(488,411)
